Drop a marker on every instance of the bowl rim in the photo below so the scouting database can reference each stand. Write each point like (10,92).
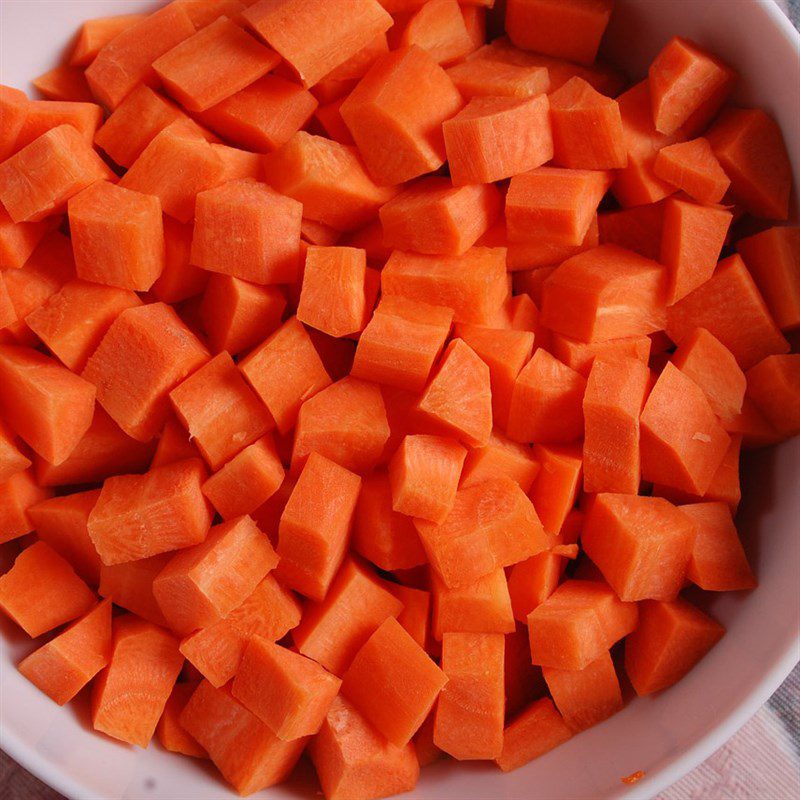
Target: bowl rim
(668,772)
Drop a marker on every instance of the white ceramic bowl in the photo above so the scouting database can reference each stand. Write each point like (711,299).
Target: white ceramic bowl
(666,735)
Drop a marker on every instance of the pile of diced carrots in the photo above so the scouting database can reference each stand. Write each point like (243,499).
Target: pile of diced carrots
(365,385)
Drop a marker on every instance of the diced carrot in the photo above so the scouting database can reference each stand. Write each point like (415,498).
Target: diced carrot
(557,483)
(725,486)
(44,115)
(642,545)
(520,314)
(204,12)
(569,29)
(174,444)
(749,145)
(14,107)
(379,667)
(480,607)
(356,66)
(103,451)
(380,534)
(534,732)
(18,240)
(170,732)
(19,492)
(353,759)
(165,507)
(415,616)
(397,130)
(48,406)
(270,612)
(30,192)
(130,586)
(471,138)
(483,77)
(96,34)
(581,356)
(500,456)
(555,203)
(773,259)
(532,581)
(328,178)
(12,459)
(587,696)
(774,386)
(637,229)
(523,682)
(587,128)
(41,591)
(605,293)
(64,83)
(62,523)
(330,118)
(670,639)
(492,524)
(439,28)
(286,26)
(345,422)
(577,624)
(126,60)
(179,280)
(615,395)
(693,168)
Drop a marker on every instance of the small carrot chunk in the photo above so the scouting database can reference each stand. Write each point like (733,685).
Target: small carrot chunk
(693,168)
(774,386)
(534,732)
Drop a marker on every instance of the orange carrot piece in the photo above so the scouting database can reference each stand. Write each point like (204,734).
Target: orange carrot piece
(62,523)
(271,612)
(130,586)
(588,696)
(179,280)
(353,759)
(41,591)
(637,229)
(471,138)
(345,422)
(587,128)
(174,444)
(523,681)
(126,60)
(670,640)
(203,584)
(371,681)
(63,666)
(329,116)
(481,77)
(315,526)
(605,293)
(18,240)
(415,616)
(555,203)
(170,732)
(581,356)
(96,34)
(30,193)
(328,178)
(492,524)
(693,168)
(18,494)
(470,710)
(480,607)
(44,115)
(439,28)
(534,732)
(47,405)
(615,395)
(500,456)
(64,83)
(773,259)
(532,581)
(12,459)
(164,506)
(381,535)
(14,106)
(642,545)
(749,145)
(774,386)
(569,29)
(399,136)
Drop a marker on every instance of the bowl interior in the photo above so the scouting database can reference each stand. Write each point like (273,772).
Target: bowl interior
(665,735)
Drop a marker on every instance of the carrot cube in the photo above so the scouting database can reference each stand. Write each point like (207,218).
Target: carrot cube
(554,202)
(774,386)
(47,405)
(170,732)
(63,666)
(285,25)
(492,524)
(19,239)
(387,539)
(693,167)
(569,29)
(439,28)
(471,708)
(499,456)
(130,585)
(587,128)
(637,229)
(64,83)
(371,682)
(151,343)
(44,115)
(62,523)
(96,34)
(352,759)
(546,404)
(270,612)
(398,131)
(288,692)
(581,356)
(126,60)
(12,460)
(534,732)
(41,591)
(14,106)
(164,507)
(471,138)
(38,180)
(642,545)
(179,280)
(615,395)
(670,640)
(246,752)
(532,581)
(345,422)
(481,77)
(773,259)
(587,696)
